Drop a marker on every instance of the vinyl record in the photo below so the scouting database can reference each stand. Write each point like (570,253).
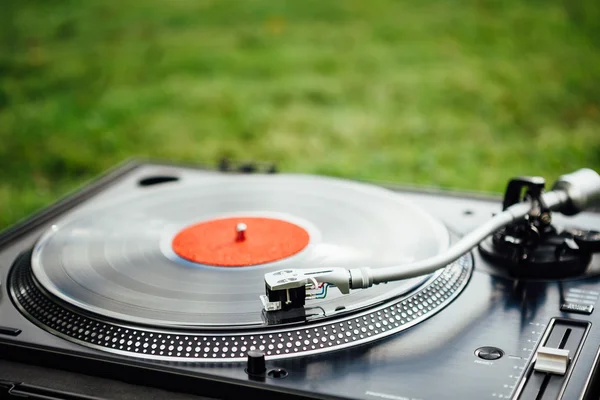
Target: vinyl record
(172,255)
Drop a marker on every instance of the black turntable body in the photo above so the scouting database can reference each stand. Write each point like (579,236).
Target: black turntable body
(475,329)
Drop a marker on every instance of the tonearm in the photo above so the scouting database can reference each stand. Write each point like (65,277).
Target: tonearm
(571,194)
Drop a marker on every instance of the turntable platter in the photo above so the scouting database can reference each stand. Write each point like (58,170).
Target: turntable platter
(122,261)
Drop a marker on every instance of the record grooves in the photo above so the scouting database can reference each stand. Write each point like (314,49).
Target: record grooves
(159,343)
(173,259)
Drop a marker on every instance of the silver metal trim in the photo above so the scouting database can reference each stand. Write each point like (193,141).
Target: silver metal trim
(575,358)
(595,366)
(466,268)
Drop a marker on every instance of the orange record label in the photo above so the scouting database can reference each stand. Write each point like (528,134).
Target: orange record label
(240,241)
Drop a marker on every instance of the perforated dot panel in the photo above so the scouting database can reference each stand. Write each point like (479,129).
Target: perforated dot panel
(163,344)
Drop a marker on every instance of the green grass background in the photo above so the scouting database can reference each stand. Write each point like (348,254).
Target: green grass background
(457,94)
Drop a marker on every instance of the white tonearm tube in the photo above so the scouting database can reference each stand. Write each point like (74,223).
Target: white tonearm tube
(570,194)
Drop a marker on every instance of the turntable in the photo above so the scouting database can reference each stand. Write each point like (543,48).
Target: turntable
(240,282)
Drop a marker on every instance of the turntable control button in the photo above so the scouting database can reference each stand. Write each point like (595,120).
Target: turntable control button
(256,363)
(278,373)
(5,330)
(585,309)
(489,353)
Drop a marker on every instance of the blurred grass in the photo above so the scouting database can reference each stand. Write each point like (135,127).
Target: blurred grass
(460,94)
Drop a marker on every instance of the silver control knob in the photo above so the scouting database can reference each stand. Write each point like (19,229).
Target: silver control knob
(582,188)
